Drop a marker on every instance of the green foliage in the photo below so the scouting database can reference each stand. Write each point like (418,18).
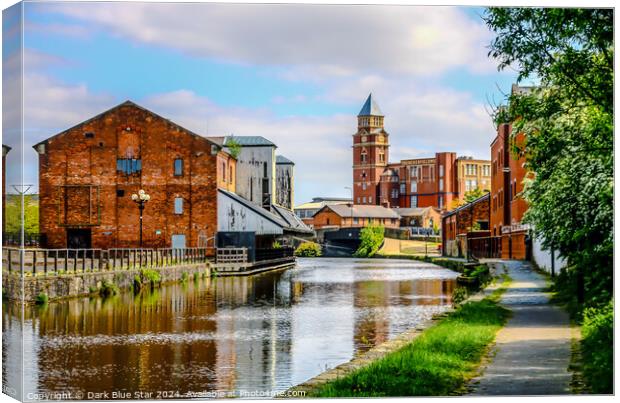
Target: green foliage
(151,275)
(598,348)
(474,194)
(108,289)
(196,276)
(371,240)
(13,214)
(234,148)
(41,299)
(276,245)
(184,277)
(567,122)
(308,249)
(92,289)
(437,363)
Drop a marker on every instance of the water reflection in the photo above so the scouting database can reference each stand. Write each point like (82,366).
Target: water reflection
(265,332)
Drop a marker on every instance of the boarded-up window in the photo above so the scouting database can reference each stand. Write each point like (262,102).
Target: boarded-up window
(78,205)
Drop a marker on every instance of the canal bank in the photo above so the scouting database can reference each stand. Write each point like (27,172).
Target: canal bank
(438,357)
(220,333)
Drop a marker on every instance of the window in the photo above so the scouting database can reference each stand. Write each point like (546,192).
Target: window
(358,200)
(474,184)
(369,199)
(440,170)
(440,201)
(223,171)
(230,176)
(414,201)
(178,167)
(265,170)
(403,188)
(363,156)
(440,185)
(394,193)
(364,186)
(129,166)
(381,156)
(467,185)
(355,220)
(364,199)
(178,205)
(120,192)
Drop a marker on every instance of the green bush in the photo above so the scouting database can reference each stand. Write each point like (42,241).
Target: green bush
(147,277)
(597,347)
(92,289)
(108,289)
(371,240)
(184,277)
(41,299)
(308,249)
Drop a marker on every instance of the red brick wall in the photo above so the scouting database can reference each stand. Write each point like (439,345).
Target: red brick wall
(72,158)
(325,218)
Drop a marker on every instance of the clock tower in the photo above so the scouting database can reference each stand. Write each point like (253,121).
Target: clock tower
(370,153)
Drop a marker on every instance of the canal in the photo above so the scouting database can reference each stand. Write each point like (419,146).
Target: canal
(230,334)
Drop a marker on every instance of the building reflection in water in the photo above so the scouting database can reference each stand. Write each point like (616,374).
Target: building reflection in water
(265,332)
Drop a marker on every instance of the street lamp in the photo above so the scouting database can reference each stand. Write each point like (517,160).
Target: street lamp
(140,199)
(351,208)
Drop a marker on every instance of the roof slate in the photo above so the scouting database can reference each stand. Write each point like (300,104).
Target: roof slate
(250,141)
(280,159)
(370,108)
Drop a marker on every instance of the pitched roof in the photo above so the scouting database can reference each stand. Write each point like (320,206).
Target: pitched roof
(294,223)
(412,211)
(250,141)
(370,108)
(126,103)
(257,209)
(482,198)
(280,159)
(362,211)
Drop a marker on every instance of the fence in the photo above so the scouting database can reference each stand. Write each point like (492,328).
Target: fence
(485,247)
(29,240)
(61,261)
(272,254)
(232,255)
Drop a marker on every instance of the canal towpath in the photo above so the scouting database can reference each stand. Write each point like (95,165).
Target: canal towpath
(533,351)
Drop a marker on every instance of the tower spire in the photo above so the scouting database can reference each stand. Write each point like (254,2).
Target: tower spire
(370,107)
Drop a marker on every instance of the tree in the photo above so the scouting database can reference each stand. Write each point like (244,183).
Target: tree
(567,122)
(234,148)
(468,197)
(13,210)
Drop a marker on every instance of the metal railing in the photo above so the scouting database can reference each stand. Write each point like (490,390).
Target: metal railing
(272,254)
(66,261)
(232,255)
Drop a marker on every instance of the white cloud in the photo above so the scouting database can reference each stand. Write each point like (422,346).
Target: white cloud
(325,39)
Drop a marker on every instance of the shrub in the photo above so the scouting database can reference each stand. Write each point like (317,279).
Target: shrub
(147,277)
(41,299)
(371,240)
(92,289)
(196,276)
(277,245)
(308,249)
(597,347)
(184,277)
(108,289)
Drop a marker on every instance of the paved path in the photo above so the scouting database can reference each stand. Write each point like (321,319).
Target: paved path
(532,352)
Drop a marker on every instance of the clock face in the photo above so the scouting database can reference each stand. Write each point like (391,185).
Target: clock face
(364,138)
(380,139)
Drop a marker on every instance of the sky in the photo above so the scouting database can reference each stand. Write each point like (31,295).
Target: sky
(295,74)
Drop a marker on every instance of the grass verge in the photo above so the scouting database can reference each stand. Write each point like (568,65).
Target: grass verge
(437,363)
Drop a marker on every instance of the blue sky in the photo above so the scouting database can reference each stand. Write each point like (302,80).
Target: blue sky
(296,74)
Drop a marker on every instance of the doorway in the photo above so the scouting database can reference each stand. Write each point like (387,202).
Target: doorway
(79,238)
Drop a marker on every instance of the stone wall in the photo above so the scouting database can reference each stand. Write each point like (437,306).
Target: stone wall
(81,284)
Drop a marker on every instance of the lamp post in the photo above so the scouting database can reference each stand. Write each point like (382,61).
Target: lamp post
(140,199)
(351,208)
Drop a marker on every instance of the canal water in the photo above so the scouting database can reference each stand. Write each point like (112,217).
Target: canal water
(255,334)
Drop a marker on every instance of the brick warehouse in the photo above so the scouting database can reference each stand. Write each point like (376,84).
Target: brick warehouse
(422,182)
(88,173)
